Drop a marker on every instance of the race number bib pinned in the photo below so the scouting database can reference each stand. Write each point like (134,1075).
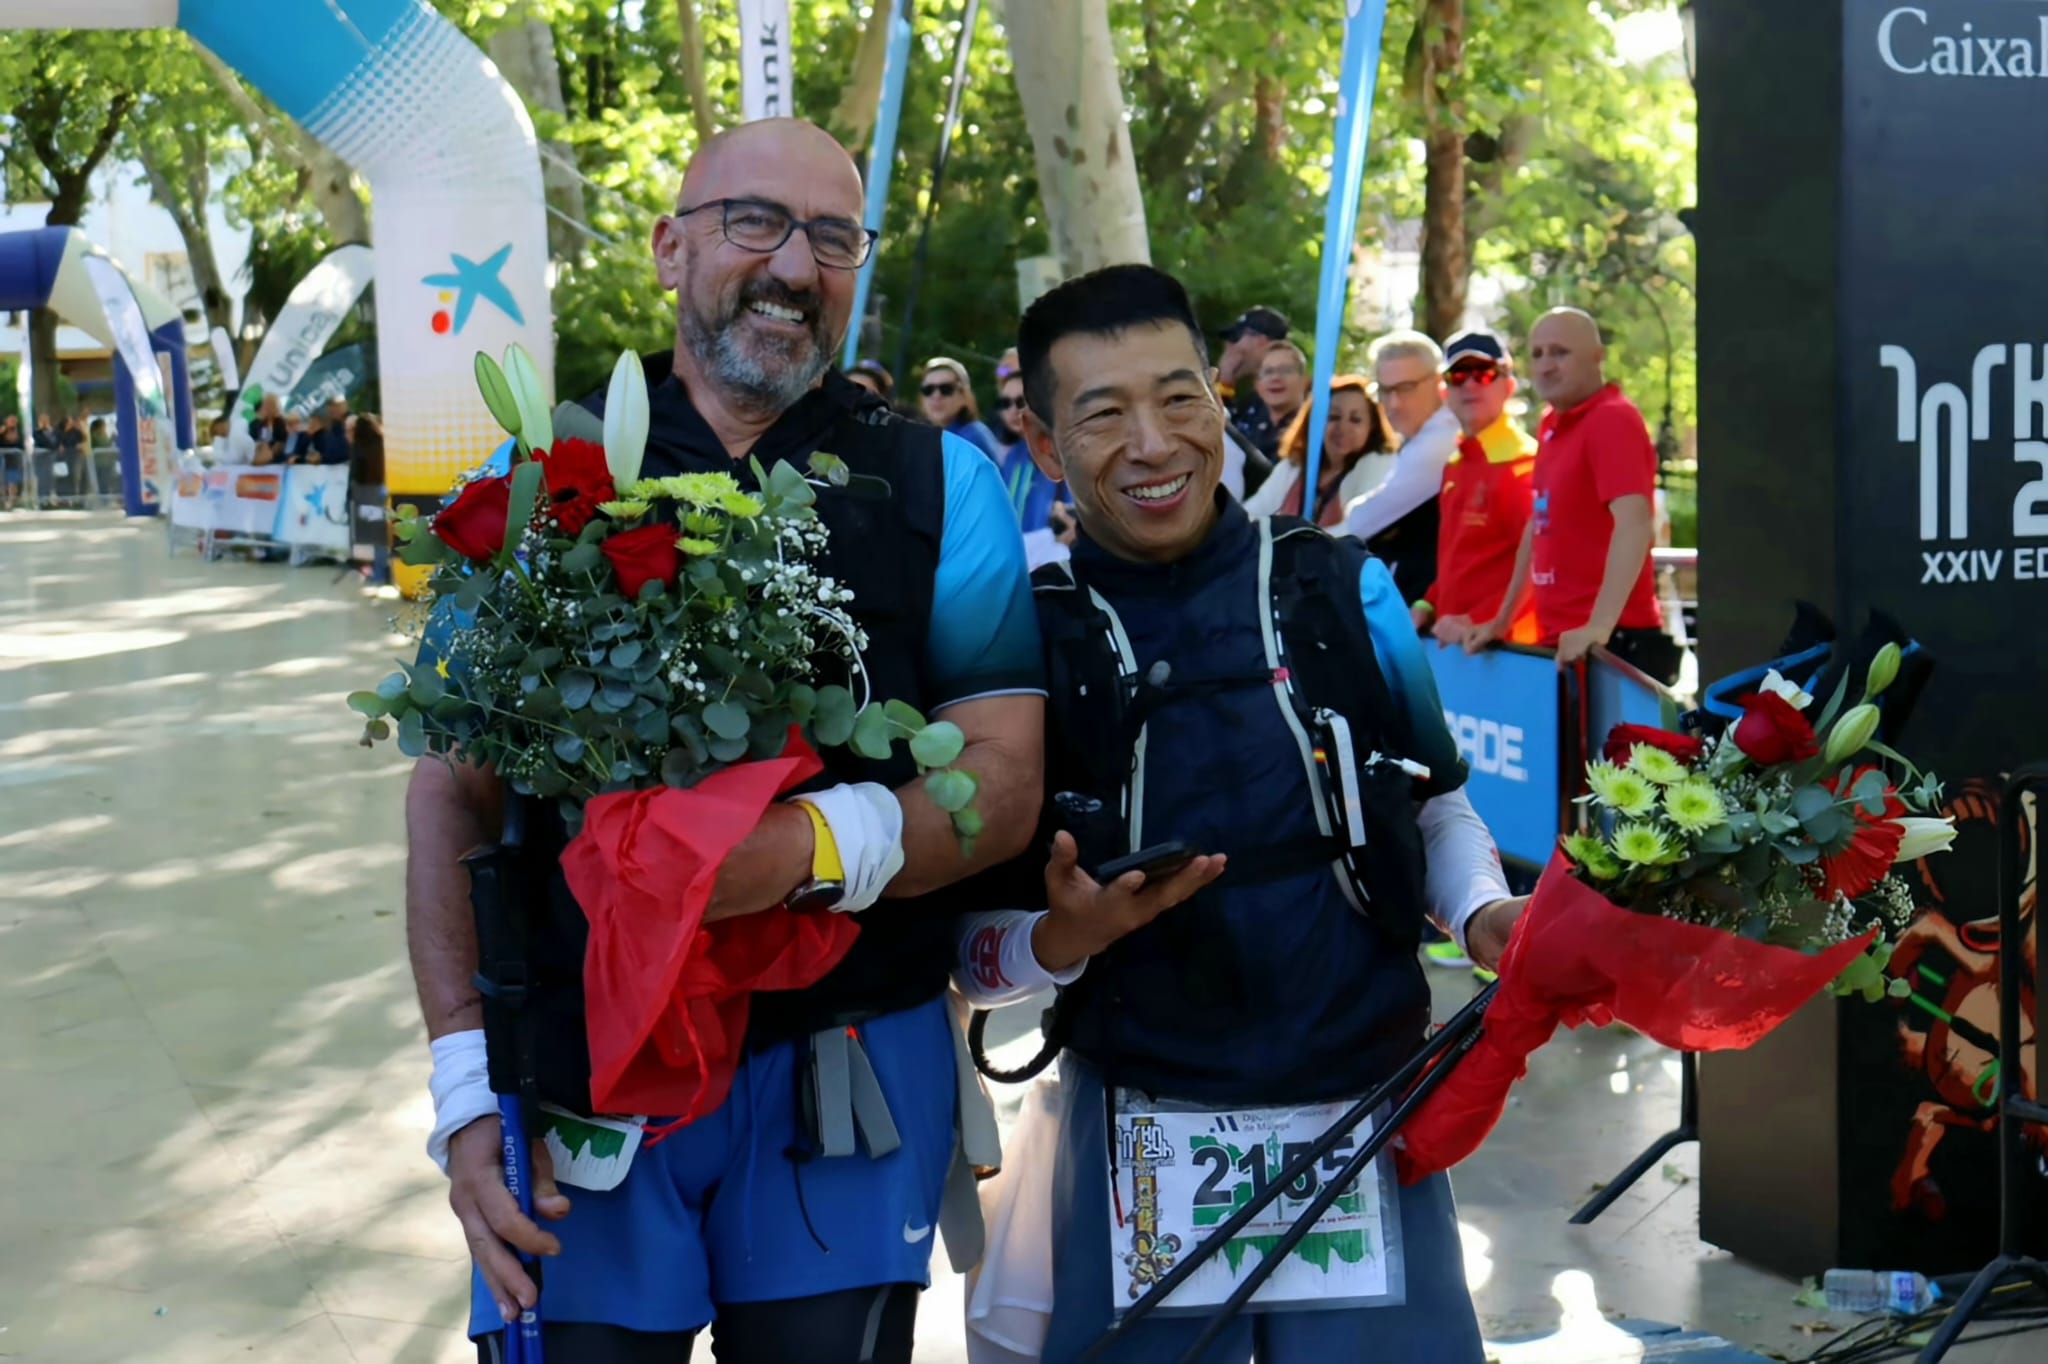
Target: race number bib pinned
(1180,1172)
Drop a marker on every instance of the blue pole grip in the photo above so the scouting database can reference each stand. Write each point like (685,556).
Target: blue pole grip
(522,1337)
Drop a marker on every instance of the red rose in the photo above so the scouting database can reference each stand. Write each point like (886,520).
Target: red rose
(578,480)
(1622,741)
(1772,732)
(1856,867)
(642,556)
(473,525)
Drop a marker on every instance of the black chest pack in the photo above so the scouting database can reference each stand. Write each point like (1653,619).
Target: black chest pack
(1324,673)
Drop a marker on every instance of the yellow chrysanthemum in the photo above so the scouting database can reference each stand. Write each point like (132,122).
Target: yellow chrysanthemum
(1620,790)
(1654,764)
(698,548)
(743,505)
(1640,844)
(624,511)
(1593,855)
(1694,806)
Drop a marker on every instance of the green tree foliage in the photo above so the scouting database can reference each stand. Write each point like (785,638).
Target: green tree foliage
(1575,162)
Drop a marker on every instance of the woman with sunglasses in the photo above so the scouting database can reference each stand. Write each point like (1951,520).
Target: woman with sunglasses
(1357,457)
(1032,495)
(949,404)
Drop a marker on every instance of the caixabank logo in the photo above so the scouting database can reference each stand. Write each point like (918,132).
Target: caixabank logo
(2009,47)
(1959,436)
(467,283)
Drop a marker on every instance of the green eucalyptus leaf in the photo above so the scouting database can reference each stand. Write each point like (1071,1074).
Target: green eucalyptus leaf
(727,720)
(938,745)
(904,716)
(832,726)
(569,747)
(952,790)
(968,823)
(728,750)
(871,733)
(585,558)
(627,653)
(368,703)
(577,688)
(681,768)
(412,734)
(377,729)
(802,702)
(394,686)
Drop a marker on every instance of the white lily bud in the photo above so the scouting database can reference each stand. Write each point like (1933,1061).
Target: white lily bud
(1924,836)
(536,418)
(626,420)
(1851,733)
(1883,669)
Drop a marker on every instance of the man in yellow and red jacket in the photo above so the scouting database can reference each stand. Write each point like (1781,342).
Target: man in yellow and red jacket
(1486,499)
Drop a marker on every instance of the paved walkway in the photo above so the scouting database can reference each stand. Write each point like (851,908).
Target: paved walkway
(211,1145)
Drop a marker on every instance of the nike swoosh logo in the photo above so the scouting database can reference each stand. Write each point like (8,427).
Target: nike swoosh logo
(915,1234)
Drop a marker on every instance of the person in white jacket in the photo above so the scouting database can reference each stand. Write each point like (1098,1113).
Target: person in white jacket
(1357,456)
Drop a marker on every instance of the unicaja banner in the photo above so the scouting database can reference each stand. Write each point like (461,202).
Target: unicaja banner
(150,462)
(764,59)
(306,323)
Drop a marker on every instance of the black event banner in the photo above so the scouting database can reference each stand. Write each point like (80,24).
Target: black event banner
(1943,522)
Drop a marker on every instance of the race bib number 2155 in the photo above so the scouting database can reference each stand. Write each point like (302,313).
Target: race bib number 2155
(1180,1173)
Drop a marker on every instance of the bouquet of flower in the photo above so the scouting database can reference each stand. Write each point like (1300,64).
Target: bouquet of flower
(1719,884)
(658,656)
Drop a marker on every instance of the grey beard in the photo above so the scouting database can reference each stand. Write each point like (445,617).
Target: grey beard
(774,387)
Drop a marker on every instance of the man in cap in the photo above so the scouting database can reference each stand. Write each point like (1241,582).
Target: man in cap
(1484,506)
(1246,342)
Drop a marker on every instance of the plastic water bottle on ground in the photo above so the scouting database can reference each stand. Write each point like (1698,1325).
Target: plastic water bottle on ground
(1867,1291)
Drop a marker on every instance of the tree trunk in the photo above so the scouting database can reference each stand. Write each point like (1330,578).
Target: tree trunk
(524,51)
(1066,76)
(691,58)
(183,192)
(327,177)
(853,121)
(1446,263)
(1248,169)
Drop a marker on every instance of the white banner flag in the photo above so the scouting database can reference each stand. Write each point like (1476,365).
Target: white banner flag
(156,433)
(307,322)
(765,87)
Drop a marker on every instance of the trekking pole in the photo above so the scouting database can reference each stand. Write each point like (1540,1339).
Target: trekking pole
(1459,1033)
(522,1337)
(1331,1190)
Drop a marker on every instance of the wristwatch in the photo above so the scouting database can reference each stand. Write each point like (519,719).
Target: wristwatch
(827,884)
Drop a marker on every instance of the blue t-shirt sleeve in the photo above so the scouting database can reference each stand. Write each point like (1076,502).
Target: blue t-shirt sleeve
(1405,665)
(984,628)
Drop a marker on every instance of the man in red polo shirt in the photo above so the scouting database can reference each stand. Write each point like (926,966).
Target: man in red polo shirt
(1587,550)
(1486,497)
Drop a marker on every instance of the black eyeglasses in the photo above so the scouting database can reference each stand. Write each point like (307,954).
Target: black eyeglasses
(1010,404)
(761,227)
(945,389)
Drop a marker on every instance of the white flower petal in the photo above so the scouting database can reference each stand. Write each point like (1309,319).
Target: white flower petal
(1777,685)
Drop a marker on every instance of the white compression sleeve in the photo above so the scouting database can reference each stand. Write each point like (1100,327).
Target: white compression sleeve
(461,1088)
(1464,873)
(996,965)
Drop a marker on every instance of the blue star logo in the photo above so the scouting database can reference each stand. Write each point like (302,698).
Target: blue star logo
(316,501)
(473,280)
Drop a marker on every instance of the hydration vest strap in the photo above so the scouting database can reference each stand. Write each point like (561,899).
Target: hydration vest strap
(1279,861)
(849,1105)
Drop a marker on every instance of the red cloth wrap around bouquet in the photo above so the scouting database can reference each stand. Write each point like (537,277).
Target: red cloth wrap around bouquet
(1577,957)
(666,994)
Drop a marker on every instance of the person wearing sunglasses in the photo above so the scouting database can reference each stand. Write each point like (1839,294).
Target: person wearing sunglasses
(1398,519)
(1357,455)
(1484,507)
(1033,494)
(949,404)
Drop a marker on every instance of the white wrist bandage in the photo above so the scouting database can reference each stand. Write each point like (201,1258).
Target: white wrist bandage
(461,1086)
(866,821)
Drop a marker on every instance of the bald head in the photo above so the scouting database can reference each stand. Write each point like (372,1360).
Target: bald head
(737,162)
(758,317)
(1566,358)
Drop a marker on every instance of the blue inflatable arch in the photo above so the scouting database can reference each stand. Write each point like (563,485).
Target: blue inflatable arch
(460,223)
